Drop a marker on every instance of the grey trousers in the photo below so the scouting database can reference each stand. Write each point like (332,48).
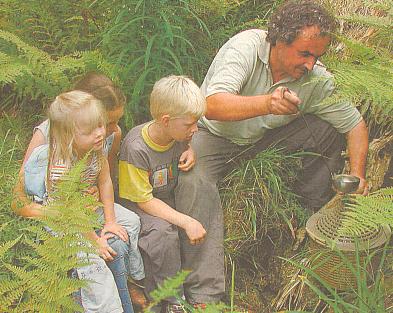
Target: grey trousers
(160,248)
(197,192)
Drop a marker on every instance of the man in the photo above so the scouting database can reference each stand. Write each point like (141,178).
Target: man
(255,87)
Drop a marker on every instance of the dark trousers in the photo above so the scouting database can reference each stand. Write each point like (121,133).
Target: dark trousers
(197,192)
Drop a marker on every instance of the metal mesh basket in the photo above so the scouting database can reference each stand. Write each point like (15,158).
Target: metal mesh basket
(322,227)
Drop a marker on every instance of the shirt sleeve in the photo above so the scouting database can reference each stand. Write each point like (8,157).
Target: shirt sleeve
(341,114)
(134,183)
(233,65)
(231,72)
(44,129)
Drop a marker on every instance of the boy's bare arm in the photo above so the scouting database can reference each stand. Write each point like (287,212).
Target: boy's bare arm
(105,188)
(194,229)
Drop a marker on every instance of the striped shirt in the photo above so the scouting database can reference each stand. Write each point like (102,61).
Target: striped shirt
(58,169)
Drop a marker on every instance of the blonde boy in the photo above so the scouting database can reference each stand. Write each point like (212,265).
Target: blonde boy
(151,156)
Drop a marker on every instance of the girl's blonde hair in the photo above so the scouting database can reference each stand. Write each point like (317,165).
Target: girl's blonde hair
(176,96)
(66,113)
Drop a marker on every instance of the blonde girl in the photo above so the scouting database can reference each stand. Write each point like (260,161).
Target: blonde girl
(77,127)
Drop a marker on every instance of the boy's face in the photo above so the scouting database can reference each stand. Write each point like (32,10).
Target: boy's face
(182,128)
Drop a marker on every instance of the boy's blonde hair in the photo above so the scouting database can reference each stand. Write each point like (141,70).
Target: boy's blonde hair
(67,113)
(176,96)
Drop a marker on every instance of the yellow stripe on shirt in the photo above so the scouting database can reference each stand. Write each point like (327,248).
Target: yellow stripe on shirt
(155,146)
(134,183)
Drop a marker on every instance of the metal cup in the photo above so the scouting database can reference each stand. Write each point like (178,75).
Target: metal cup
(345,183)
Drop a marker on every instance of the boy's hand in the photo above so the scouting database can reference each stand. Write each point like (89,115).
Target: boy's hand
(187,160)
(195,231)
(116,229)
(104,250)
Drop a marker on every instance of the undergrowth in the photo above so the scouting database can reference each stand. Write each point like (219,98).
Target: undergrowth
(260,213)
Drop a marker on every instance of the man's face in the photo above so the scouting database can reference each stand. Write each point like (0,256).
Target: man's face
(299,57)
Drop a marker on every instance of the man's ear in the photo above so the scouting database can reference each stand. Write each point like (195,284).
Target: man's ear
(165,119)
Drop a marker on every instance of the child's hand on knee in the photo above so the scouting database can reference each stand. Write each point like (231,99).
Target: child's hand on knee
(113,227)
(104,250)
(195,231)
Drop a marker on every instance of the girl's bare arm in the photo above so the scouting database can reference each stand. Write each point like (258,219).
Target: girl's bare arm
(112,155)
(21,204)
(105,188)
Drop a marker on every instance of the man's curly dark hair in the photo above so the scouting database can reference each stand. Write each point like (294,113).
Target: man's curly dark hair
(290,18)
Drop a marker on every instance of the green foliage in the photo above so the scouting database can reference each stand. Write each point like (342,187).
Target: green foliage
(259,210)
(365,212)
(34,263)
(147,40)
(244,15)
(256,197)
(57,27)
(363,69)
(381,22)
(364,77)
(12,146)
(170,288)
(367,297)
(32,74)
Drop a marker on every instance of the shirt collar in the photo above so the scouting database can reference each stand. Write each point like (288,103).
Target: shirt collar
(264,50)
(151,143)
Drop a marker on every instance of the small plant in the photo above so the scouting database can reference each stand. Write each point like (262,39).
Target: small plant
(260,212)
(170,287)
(368,295)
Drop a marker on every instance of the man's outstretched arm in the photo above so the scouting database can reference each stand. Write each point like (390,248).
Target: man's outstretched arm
(230,107)
(357,142)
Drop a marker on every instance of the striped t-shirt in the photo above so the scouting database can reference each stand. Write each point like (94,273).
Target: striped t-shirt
(58,169)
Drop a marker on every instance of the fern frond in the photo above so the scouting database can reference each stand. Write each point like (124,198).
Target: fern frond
(8,245)
(372,211)
(35,74)
(169,287)
(383,5)
(363,68)
(364,77)
(42,283)
(10,293)
(383,22)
